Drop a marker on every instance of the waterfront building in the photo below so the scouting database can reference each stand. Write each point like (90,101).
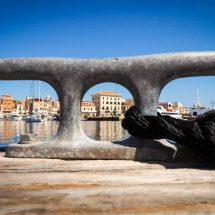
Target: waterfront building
(45,106)
(7,105)
(88,109)
(55,107)
(166,105)
(107,103)
(19,108)
(33,104)
(185,111)
(126,104)
(177,106)
(47,103)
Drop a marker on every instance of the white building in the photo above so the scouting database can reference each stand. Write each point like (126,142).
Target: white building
(87,109)
(18,108)
(107,103)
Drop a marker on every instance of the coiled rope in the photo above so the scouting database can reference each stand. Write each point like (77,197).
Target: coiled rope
(198,134)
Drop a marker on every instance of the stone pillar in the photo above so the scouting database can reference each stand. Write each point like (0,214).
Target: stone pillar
(70,100)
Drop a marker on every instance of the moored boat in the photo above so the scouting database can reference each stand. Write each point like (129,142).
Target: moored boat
(163,112)
(33,118)
(15,118)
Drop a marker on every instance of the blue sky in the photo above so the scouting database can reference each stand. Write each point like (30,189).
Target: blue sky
(107,28)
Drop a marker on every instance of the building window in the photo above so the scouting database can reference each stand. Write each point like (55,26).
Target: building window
(114,102)
(107,102)
(103,108)
(111,103)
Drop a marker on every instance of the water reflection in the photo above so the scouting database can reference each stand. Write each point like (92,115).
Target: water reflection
(104,130)
(10,131)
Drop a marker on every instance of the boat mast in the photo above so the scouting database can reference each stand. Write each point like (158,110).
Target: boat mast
(197,103)
(39,98)
(31,98)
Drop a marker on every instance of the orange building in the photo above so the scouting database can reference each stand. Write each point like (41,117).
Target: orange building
(7,105)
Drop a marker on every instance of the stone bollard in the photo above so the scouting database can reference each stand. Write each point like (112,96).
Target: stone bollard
(144,76)
(28,139)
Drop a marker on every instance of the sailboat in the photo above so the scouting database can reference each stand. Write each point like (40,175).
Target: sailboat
(32,116)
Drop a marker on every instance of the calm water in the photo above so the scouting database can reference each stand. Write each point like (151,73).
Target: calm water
(99,130)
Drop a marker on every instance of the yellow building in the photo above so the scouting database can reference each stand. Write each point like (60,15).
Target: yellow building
(185,111)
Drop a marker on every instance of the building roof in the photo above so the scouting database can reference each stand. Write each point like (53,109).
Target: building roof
(7,96)
(87,103)
(107,94)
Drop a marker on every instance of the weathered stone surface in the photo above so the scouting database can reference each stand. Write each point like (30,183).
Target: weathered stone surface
(149,150)
(131,149)
(45,186)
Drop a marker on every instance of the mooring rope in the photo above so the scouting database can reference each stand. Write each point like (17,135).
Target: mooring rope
(198,133)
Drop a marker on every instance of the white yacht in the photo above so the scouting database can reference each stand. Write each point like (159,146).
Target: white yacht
(163,112)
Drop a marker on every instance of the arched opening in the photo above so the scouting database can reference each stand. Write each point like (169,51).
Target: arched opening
(188,97)
(27,107)
(102,109)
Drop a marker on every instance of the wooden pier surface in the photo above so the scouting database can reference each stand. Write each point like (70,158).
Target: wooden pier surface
(45,186)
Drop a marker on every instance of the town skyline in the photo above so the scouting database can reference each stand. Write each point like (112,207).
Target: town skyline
(187,95)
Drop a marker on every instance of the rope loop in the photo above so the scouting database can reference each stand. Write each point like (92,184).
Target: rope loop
(198,134)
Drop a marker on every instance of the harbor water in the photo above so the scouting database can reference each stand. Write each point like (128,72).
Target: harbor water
(10,131)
